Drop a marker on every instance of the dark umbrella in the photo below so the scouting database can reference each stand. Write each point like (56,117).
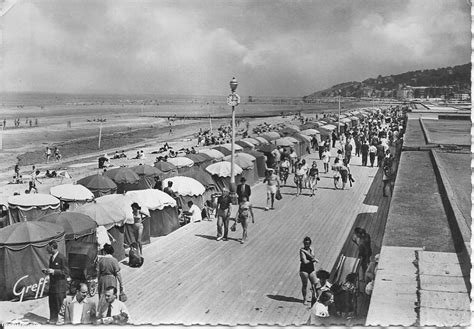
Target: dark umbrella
(122,175)
(199,158)
(223,150)
(165,166)
(287,131)
(266,148)
(244,144)
(74,224)
(146,170)
(98,182)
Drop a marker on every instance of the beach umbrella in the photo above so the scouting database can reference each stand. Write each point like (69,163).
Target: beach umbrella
(164,166)
(98,183)
(213,153)
(152,199)
(222,149)
(288,131)
(311,125)
(105,214)
(30,232)
(291,126)
(185,186)
(199,158)
(283,142)
(121,201)
(262,140)
(180,162)
(70,192)
(146,170)
(301,137)
(245,144)
(201,176)
(243,160)
(310,132)
(75,224)
(229,146)
(291,139)
(222,169)
(252,141)
(122,175)
(270,135)
(29,207)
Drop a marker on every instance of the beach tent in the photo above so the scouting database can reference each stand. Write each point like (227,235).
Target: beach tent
(23,255)
(304,141)
(247,163)
(245,144)
(298,146)
(74,195)
(220,172)
(98,184)
(205,179)
(112,218)
(200,160)
(355,121)
(124,203)
(81,241)
(262,140)
(267,149)
(146,174)
(146,170)
(252,141)
(270,135)
(167,169)
(311,125)
(283,142)
(213,153)
(225,151)
(259,161)
(123,177)
(30,207)
(228,146)
(187,189)
(292,127)
(162,208)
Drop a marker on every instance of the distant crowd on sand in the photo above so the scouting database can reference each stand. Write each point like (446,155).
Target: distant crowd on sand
(17,122)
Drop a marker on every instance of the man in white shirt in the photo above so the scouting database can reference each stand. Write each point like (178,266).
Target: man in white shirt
(112,310)
(194,213)
(78,309)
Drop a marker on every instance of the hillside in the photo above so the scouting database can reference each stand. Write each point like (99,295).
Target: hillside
(445,81)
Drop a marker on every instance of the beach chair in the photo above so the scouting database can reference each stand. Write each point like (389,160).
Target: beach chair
(346,265)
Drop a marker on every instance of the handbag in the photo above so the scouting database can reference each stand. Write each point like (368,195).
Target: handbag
(278,195)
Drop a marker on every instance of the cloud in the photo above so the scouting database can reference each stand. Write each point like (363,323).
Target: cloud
(194,47)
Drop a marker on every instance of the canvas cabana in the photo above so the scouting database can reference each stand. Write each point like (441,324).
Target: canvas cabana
(81,242)
(30,207)
(167,169)
(213,153)
(187,189)
(98,184)
(259,161)
(247,163)
(220,172)
(162,208)
(124,203)
(23,255)
(245,144)
(205,179)
(112,218)
(74,195)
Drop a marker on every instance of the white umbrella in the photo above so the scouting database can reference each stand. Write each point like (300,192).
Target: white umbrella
(185,186)
(251,141)
(152,199)
(104,214)
(222,169)
(119,201)
(33,200)
(180,162)
(243,160)
(310,132)
(70,192)
(283,142)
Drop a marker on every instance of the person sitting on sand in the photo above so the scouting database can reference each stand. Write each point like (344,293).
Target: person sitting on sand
(116,155)
(123,155)
(138,155)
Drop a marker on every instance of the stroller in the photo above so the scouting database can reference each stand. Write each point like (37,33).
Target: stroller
(345,300)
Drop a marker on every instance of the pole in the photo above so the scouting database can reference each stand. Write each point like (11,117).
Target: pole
(1,139)
(232,177)
(210,122)
(100,133)
(339,118)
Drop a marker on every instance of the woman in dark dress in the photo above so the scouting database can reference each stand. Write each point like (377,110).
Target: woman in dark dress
(307,272)
(108,270)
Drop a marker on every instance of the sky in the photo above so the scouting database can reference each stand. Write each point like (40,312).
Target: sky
(272,47)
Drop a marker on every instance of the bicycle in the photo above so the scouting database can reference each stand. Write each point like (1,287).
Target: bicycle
(337,180)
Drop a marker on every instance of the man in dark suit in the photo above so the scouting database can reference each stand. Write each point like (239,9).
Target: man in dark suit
(78,309)
(243,190)
(58,273)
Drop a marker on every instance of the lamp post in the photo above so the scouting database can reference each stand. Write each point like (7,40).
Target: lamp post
(339,117)
(233,100)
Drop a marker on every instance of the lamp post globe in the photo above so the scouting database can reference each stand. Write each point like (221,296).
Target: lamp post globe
(233,84)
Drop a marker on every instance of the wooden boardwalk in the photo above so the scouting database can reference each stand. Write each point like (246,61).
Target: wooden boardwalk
(190,278)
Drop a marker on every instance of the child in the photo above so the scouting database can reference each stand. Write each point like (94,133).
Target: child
(135,259)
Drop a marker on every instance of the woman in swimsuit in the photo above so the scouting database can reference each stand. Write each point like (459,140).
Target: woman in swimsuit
(307,260)
(138,223)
